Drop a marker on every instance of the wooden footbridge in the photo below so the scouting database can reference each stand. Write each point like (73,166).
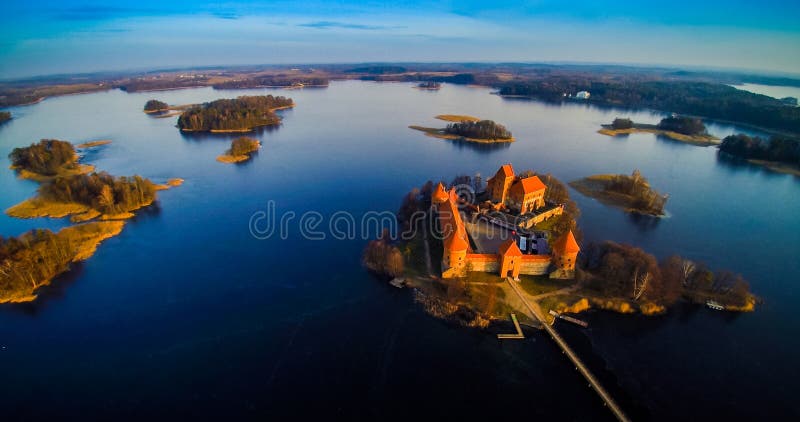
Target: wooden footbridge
(593,382)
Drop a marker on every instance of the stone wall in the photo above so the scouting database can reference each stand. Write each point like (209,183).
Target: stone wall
(535,264)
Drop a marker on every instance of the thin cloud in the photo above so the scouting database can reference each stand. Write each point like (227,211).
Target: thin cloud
(345,25)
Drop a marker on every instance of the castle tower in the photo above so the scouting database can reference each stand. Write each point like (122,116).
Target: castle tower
(565,252)
(456,245)
(510,259)
(439,194)
(498,186)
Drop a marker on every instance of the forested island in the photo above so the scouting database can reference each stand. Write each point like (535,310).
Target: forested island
(778,153)
(684,129)
(632,193)
(30,261)
(242,114)
(47,159)
(4,116)
(608,275)
(430,85)
(33,259)
(274,81)
(155,106)
(468,129)
(241,149)
(67,189)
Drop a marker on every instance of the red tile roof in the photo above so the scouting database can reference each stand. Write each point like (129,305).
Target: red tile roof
(532,184)
(440,195)
(506,171)
(510,248)
(566,244)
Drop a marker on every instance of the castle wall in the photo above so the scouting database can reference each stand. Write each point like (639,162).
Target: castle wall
(487,263)
(535,264)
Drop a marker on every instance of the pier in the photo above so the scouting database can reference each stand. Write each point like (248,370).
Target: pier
(593,382)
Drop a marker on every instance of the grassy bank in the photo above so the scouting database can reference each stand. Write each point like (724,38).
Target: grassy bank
(700,140)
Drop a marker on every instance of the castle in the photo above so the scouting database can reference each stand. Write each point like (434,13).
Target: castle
(522,196)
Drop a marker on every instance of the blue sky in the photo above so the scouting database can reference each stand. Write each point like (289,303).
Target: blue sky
(52,37)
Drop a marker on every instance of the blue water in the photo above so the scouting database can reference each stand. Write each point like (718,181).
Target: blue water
(185,314)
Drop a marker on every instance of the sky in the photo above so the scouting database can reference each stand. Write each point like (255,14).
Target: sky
(62,37)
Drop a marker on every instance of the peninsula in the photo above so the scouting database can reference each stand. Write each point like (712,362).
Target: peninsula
(468,129)
(241,149)
(631,193)
(32,260)
(682,129)
(779,153)
(242,114)
(4,116)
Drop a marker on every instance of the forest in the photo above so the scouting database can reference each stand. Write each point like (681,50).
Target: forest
(645,199)
(242,113)
(101,191)
(777,148)
(243,146)
(620,123)
(275,80)
(624,271)
(47,157)
(382,258)
(711,100)
(5,116)
(484,129)
(32,259)
(155,105)
(684,125)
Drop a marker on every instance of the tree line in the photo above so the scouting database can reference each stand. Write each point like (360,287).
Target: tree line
(155,105)
(712,100)
(484,129)
(645,198)
(624,271)
(47,157)
(684,125)
(243,146)
(383,258)
(241,113)
(777,148)
(101,191)
(276,80)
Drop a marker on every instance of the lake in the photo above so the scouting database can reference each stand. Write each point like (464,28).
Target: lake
(186,314)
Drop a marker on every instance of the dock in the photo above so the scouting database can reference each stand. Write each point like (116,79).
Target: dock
(593,382)
(575,321)
(518,335)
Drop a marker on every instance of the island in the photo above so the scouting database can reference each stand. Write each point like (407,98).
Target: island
(475,252)
(683,129)
(4,116)
(429,86)
(779,153)
(155,106)
(242,114)
(67,188)
(631,193)
(92,144)
(241,149)
(32,260)
(468,129)
(46,160)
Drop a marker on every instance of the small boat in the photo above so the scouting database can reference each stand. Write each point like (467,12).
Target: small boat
(715,305)
(398,282)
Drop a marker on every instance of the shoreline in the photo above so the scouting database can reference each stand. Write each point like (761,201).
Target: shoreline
(699,140)
(594,187)
(439,133)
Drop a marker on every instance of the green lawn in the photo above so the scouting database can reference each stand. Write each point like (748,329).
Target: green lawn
(536,285)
